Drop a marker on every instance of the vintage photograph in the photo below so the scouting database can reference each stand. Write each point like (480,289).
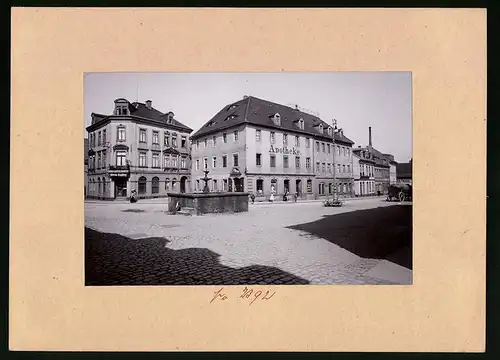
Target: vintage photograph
(248,178)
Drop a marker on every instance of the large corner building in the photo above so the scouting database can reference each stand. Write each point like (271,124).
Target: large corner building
(261,147)
(137,147)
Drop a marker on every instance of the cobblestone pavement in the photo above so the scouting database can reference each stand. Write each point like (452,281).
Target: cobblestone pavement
(131,244)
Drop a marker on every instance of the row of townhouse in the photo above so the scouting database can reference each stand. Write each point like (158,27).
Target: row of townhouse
(251,145)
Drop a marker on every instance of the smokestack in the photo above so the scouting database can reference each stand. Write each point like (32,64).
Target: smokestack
(370,136)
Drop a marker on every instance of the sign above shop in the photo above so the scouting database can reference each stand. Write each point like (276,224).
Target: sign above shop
(118,173)
(284,150)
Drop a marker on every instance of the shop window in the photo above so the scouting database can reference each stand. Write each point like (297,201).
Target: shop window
(260,186)
(142,185)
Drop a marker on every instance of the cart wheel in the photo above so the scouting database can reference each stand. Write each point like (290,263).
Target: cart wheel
(401,196)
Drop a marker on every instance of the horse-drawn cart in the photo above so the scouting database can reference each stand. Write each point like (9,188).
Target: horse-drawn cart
(399,192)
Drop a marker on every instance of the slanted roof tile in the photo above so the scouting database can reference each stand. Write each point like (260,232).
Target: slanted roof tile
(255,111)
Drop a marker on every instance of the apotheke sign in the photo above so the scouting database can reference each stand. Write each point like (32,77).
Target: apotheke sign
(284,150)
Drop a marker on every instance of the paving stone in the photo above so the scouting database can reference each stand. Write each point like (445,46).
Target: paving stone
(216,249)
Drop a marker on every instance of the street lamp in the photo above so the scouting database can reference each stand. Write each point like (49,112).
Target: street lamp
(335,193)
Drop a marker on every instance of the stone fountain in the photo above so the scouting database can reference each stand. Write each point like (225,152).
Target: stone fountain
(208,202)
(206,190)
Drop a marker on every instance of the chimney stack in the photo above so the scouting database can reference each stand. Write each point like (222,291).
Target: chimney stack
(148,104)
(370,136)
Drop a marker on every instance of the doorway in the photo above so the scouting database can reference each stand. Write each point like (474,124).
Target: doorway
(120,188)
(238,184)
(183,184)
(286,185)
(298,186)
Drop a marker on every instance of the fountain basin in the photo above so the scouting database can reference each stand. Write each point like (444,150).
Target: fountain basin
(209,203)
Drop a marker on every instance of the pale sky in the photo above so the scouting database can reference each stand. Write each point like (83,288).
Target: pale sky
(357,100)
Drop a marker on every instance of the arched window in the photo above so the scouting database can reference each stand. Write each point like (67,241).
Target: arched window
(174,183)
(274,186)
(155,185)
(142,185)
(104,186)
(167,184)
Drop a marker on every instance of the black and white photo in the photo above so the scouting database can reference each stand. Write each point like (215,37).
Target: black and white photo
(248,178)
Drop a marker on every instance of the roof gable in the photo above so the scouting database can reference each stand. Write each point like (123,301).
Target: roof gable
(140,110)
(260,112)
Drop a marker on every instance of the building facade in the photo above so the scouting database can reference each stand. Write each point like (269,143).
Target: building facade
(364,173)
(85,165)
(392,169)
(265,148)
(137,148)
(376,177)
(404,173)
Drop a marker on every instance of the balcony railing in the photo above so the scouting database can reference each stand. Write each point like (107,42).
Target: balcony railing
(175,168)
(118,167)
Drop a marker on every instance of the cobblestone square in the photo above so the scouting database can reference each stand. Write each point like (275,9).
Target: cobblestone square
(367,241)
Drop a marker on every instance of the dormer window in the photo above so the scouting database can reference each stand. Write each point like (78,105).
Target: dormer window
(121,107)
(231,107)
(121,110)
(300,123)
(170,117)
(320,128)
(230,117)
(330,131)
(277,119)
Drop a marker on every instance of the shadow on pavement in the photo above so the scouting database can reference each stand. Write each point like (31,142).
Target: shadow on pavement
(113,259)
(379,233)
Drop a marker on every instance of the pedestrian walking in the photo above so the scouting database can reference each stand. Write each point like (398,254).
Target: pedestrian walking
(295,196)
(133,196)
(252,197)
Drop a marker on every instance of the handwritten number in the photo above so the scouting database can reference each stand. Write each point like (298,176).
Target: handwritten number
(267,293)
(256,296)
(244,292)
